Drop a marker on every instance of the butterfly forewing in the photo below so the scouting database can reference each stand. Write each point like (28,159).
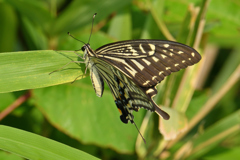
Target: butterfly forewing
(148,62)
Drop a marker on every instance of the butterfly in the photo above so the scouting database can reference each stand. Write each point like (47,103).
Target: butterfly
(132,69)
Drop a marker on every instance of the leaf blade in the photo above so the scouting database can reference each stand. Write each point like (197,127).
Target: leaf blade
(30,69)
(33,146)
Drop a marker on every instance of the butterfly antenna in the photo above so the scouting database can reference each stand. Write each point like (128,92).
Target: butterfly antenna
(139,132)
(75,38)
(92,27)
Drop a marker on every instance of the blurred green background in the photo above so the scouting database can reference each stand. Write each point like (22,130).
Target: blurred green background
(204,105)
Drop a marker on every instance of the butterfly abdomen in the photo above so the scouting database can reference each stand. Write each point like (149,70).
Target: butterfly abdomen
(123,102)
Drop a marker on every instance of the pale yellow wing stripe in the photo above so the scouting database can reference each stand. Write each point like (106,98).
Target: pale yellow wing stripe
(138,98)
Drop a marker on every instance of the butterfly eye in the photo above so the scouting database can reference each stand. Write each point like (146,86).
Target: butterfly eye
(83,48)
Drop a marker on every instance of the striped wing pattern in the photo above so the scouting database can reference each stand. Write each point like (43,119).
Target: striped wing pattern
(127,95)
(148,62)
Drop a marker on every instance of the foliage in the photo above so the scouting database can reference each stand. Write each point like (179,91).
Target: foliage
(203,100)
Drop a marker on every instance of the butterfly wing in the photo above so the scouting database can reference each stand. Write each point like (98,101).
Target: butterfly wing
(148,62)
(127,95)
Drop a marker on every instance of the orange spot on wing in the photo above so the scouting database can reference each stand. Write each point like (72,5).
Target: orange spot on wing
(120,111)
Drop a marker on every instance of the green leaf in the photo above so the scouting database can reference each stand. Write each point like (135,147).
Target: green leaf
(221,153)
(36,11)
(175,10)
(196,104)
(175,125)
(35,38)
(78,112)
(213,135)
(186,89)
(79,14)
(97,40)
(150,31)
(6,99)
(30,69)
(226,14)
(121,26)
(8,29)
(227,69)
(35,147)
(6,156)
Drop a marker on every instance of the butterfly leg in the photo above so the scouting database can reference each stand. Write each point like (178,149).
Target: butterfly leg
(76,79)
(65,66)
(78,54)
(75,53)
(84,72)
(82,59)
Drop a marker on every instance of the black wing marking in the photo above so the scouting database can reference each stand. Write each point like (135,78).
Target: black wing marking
(127,95)
(148,62)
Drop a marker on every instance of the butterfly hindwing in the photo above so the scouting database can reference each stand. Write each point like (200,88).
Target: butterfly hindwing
(127,95)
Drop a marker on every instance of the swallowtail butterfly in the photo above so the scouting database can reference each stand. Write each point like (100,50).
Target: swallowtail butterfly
(133,68)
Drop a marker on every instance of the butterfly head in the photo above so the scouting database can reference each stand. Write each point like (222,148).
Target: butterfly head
(85,50)
(85,46)
(88,52)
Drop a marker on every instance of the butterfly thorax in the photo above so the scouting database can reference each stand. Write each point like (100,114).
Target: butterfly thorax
(88,53)
(96,78)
